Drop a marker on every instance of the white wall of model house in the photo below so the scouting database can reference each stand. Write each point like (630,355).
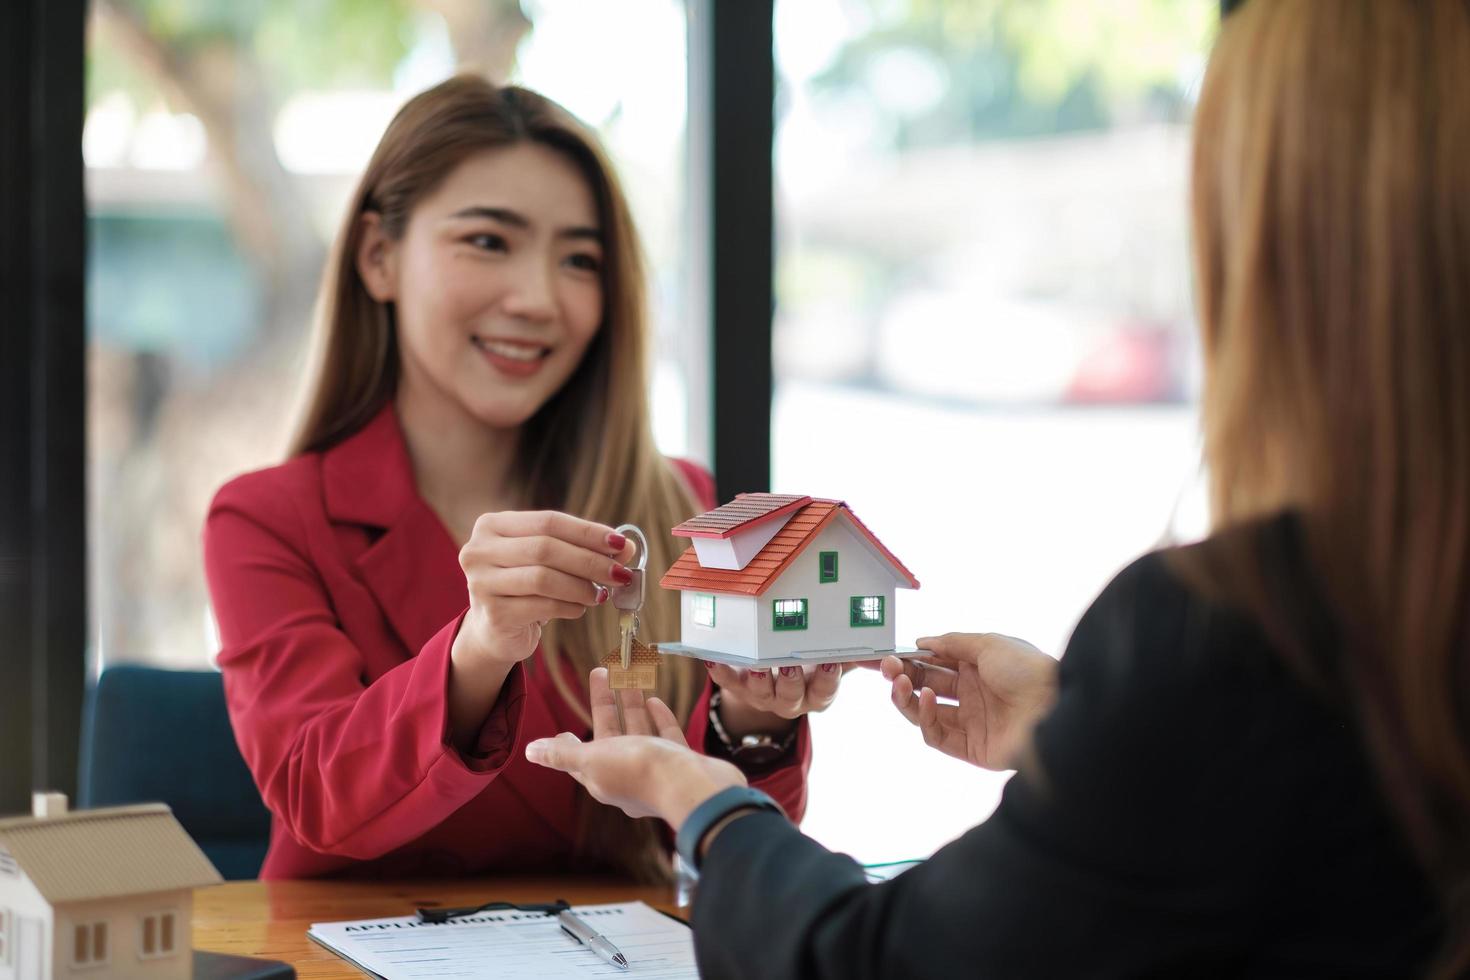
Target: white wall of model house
(744,625)
(25,921)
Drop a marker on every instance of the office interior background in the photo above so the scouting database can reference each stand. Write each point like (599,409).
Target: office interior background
(980,331)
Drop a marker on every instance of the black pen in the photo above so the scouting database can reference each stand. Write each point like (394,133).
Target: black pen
(590,937)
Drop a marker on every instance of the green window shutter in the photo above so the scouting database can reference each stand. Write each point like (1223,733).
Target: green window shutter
(827,567)
(704,610)
(788,614)
(866,610)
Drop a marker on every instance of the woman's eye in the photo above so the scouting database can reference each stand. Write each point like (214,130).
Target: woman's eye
(488,242)
(584,261)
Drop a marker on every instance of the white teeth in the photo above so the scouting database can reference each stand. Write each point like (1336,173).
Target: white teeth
(513,351)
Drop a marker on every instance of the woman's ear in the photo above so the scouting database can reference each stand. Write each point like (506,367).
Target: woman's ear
(377,258)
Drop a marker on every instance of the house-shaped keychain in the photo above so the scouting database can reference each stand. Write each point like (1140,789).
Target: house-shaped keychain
(776,580)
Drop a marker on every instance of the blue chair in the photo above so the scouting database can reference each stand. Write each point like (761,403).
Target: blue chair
(152,735)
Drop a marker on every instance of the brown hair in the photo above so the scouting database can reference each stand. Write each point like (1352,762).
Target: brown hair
(589,451)
(1332,222)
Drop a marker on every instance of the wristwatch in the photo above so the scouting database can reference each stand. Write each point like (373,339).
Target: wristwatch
(703,818)
(751,750)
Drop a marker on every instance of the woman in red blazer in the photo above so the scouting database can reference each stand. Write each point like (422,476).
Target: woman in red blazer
(407,601)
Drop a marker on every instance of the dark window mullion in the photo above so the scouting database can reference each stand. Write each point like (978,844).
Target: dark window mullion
(42,397)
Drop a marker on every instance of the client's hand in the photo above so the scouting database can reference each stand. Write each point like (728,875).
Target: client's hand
(641,765)
(1002,687)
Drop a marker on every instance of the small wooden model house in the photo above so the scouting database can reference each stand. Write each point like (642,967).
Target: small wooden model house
(774,576)
(97,893)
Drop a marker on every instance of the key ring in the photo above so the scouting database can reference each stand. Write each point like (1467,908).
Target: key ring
(636,533)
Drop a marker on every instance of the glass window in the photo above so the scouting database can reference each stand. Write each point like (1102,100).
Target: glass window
(704,611)
(158,934)
(203,261)
(827,566)
(89,944)
(789,614)
(867,610)
(982,276)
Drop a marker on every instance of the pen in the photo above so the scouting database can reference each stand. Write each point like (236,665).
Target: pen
(588,936)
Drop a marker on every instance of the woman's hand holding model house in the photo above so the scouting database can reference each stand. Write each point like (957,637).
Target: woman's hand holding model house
(789,692)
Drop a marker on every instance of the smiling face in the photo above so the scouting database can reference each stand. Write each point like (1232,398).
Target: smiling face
(496,283)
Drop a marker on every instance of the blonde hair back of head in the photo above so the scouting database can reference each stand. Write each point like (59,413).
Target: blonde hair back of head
(1332,226)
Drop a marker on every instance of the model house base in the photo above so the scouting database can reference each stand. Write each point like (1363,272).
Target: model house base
(803,658)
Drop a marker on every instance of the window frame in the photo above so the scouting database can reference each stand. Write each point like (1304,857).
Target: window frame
(696,610)
(157,917)
(776,616)
(855,611)
(90,932)
(822,577)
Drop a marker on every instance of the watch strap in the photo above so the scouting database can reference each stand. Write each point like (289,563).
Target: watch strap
(703,817)
(757,750)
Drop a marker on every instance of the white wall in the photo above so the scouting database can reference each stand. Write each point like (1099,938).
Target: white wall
(859,572)
(30,917)
(735,624)
(124,917)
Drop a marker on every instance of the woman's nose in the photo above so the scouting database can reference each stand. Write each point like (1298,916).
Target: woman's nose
(531,295)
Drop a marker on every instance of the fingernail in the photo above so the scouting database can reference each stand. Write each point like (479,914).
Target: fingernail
(621,575)
(602,593)
(760,673)
(615,541)
(710,664)
(829,667)
(536,751)
(790,671)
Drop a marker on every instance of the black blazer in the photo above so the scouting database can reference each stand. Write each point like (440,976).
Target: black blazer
(1194,811)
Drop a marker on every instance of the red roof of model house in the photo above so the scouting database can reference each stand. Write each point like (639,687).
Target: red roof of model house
(747,513)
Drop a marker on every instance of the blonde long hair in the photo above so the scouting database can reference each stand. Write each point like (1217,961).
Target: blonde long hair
(1332,225)
(589,451)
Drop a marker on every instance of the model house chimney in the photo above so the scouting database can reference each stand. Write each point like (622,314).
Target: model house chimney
(45,805)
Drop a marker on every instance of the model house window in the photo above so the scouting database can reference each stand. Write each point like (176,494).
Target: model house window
(867,610)
(827,566)
(158,935)
(89,944)
(704,611)
(790,614)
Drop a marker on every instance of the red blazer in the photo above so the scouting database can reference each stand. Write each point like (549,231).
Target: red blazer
(338,594)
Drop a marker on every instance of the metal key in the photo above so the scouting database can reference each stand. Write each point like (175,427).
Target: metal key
(628,599)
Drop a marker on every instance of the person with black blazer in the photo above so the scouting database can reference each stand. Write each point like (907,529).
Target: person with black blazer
(1254,759)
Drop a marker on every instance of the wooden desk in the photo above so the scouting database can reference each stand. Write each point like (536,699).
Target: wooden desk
(269,919)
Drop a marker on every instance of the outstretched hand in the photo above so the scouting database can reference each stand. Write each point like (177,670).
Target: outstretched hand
(1000,686)
(638,759)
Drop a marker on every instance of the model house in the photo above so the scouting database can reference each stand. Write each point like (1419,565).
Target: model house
(774,577)
(97,893)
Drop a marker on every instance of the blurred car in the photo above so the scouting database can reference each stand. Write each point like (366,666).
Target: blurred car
(978,349)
